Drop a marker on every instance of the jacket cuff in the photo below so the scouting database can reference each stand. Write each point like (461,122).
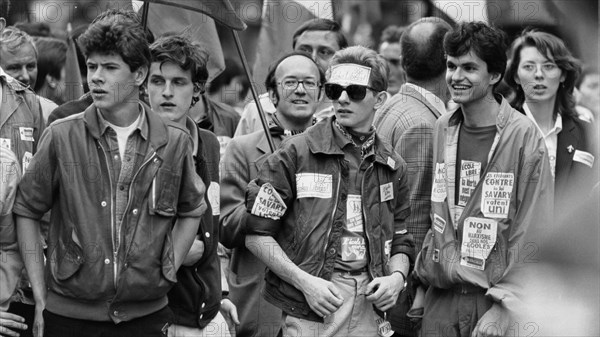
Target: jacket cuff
(194,213)
(404,244)
(256,225)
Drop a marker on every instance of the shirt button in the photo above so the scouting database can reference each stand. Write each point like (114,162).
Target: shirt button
(107,261)
(135,211)
(201,315)
(116,313)
(128,159)
(103,204)
(121,187)
(203,305)
(207,234)
(332,251)
(116,157)
(156,160)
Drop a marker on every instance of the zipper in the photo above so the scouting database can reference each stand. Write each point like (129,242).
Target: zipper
(112,219)
(362,189)
(130,188)
(337,191)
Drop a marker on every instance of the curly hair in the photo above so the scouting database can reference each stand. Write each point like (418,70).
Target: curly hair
(555,50)
(364,57)
(487,42)
(13,38)
(117,37)
(185,53)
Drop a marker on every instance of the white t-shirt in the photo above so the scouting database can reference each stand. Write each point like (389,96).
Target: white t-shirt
(123,133)
(551,138)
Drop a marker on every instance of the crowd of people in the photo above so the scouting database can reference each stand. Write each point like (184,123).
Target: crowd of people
(415,190)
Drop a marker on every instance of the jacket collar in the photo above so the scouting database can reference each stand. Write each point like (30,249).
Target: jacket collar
(321,139)
(156,129)
(505,115)
(410,90)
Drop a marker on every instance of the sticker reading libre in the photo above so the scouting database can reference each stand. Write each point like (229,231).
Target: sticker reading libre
(268,203)
(497,190)
(314,185)
(346,74)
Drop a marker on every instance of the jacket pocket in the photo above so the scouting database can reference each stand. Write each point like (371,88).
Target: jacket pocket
(168,260)
(163,197)
(67,259)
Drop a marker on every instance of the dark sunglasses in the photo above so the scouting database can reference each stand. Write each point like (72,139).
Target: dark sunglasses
(355,92)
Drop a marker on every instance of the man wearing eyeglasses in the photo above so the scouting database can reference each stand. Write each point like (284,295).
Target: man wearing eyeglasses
(294,83)
(326,213)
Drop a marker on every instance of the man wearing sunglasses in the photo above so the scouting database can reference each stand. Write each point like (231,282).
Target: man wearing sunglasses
(326,212)
(294,87)
(407,121)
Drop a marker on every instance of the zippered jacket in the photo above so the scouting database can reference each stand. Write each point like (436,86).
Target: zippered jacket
(309,231)
(88,276)
(513,196)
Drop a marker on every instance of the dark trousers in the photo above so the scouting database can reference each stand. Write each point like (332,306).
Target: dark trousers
(153,325)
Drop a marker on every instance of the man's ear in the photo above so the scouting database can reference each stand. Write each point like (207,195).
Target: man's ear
(140,75)
(495,78)
(52,82)
(198,89)
(273,97)
(380,99)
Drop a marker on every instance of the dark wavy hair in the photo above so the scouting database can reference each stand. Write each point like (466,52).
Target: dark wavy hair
(185,53)
(555,49)
(488,43)
(117,37)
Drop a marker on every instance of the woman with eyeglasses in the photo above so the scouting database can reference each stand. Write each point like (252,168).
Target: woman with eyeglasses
(543,73)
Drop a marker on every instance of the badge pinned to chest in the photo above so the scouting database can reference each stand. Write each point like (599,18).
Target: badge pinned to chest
(479,238)
(496,194)
(384,328)
(438,189)
(386,192)
(5,143)
(26,134)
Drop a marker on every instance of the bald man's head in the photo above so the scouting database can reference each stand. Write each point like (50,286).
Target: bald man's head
(423,55)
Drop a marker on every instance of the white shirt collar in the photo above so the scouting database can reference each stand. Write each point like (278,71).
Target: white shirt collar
(557,124)
(435,101)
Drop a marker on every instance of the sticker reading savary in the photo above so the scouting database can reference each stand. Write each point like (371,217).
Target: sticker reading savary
(268,203)
(497,190)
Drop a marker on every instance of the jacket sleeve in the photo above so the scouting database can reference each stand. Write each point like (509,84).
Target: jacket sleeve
(235,176)
(271,193)
(191,201)
(40,181)
(402,241)
(534,203)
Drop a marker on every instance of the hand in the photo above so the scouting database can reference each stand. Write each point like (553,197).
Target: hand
(322,296)
(9,322)
(195,253)
(493,323)
(229,312)
(384,291)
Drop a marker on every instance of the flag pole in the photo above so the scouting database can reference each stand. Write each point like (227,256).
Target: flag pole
(145,9)
(261,112)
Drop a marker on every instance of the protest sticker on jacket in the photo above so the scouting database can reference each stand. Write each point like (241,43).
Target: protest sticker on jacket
(354,220)
(6,143)
(479,238)
(497,190)
(439,224)
(386,192)
(354,248)
(214,197)
(438,190)
(469,178)
(268,203)
(26,134)
(314,185)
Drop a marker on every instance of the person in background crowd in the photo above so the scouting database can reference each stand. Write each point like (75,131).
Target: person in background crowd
(327,212)
(320,38)
(294,83)
(116,239)
(21,125)
(50,83)
(543,73)
(231,86)
(176,80)
(18,57)
(491,187)
(588,94)
(391,51)
(407,121)
(35,29)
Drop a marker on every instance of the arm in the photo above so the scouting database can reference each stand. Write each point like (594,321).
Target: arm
(235,176)
(29,237)
(322,296)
